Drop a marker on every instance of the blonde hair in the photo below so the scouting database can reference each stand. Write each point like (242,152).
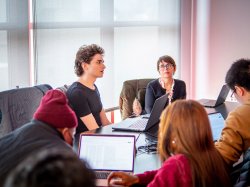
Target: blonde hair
(185,129)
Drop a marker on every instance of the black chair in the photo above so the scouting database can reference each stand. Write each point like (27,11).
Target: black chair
(17,106)
(63,88)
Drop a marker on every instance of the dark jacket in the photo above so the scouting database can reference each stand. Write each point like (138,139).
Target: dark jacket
(244,177)
(26,140)
(154,91)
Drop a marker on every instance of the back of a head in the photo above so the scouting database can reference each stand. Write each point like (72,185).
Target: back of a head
(239,74)
(55,111)
(185,129)
(52,168)
(187,123)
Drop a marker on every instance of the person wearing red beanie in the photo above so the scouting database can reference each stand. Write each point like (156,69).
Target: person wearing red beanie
(53,126)
(55,111)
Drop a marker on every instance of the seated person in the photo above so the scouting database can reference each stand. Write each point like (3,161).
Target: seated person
(235,137)
(186,147)
(166,84)
(83,94)
(53,126)
(52,168)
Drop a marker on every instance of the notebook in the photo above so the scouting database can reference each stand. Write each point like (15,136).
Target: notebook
(220,100)
(145,123)
(217,123)
(107,153)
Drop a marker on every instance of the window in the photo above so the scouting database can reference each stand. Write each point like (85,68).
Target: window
(134,33)
(136,10)
(3,11)
(3,61)
(14,56)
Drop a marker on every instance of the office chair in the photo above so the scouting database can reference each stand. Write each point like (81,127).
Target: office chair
(63,88)
(17,106)
(132,89)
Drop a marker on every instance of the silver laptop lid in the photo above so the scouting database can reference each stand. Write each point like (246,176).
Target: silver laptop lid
(108,152)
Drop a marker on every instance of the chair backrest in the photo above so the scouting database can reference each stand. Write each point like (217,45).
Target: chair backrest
(17,106)
(63,88)
(132,89)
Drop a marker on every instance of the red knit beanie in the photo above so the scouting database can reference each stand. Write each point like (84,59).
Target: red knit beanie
(55,111)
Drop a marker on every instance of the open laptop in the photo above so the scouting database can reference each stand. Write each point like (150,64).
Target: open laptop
(217,123)
(107,153)
(144,124)
(220,100)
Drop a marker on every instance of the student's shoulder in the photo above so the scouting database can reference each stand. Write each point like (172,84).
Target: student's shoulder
(177,162)
(178,157)
(75,85)
(239,111)
(179,82)
(75,89)
(153,83)
(239,116)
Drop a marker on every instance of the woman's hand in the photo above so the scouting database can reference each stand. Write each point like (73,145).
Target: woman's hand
(123,179)
(137,109)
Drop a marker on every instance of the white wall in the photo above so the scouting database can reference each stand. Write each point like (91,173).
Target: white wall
(229,38)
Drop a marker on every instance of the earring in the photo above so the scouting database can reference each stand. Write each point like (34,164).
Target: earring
(173,142)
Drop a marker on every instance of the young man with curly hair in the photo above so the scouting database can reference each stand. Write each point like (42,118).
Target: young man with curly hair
(83,94)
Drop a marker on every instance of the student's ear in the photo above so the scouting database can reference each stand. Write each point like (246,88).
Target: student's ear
(239,90)
(174,145)
(174,70)
(85,66)
(67,135)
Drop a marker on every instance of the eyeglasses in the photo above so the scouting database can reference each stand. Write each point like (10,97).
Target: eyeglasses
(232,94)
(167,66)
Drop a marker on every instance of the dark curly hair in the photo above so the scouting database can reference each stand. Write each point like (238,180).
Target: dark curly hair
(167,59)
(85,54)
(239,74)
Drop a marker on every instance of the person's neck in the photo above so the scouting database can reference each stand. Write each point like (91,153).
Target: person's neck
(247,97)
(87,81)
(167,81)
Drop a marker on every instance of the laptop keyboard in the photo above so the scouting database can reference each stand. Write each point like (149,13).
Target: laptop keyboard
(102,175)
(140,124)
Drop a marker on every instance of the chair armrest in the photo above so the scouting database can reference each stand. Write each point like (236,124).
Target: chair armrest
(111,113)
(112,109)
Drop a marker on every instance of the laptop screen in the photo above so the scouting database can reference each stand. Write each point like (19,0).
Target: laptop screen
(108,152)
(217,124)
(223,94)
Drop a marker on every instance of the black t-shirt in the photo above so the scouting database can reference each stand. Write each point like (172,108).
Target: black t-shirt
(84,101)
